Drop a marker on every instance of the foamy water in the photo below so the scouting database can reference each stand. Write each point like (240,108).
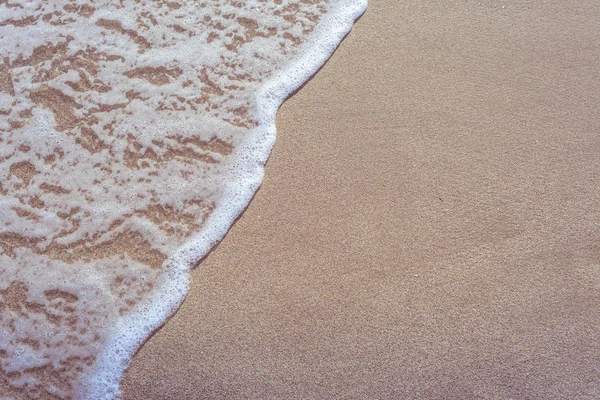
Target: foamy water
(132,134)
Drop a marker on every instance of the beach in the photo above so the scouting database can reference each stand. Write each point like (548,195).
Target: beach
(427,228)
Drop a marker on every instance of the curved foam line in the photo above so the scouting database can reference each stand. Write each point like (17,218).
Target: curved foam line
(247,166)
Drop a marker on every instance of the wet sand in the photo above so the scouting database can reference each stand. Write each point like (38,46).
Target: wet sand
(428,226)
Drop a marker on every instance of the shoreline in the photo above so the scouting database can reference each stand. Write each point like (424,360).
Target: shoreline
(244,175)
(426,226)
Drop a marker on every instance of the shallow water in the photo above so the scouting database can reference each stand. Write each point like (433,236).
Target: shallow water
(132,134)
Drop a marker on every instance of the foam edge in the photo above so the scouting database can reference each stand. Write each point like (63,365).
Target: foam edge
(248,162)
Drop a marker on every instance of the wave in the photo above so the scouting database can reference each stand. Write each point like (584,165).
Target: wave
(133,134)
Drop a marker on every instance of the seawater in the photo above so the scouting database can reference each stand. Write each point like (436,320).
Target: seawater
(132,134)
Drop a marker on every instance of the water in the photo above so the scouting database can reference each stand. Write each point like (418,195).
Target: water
(132,134)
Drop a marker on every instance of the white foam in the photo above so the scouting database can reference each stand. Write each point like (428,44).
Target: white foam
(239,175)
(247,175)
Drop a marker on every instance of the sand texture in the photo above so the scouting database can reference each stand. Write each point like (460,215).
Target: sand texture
(428,226)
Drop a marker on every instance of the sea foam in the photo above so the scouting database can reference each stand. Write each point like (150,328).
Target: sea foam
(132,134)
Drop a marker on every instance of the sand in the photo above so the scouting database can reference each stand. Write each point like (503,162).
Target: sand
(428,226)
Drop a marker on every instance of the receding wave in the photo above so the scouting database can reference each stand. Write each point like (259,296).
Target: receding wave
(132,134)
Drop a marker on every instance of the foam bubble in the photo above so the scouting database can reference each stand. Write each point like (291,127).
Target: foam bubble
(132,136)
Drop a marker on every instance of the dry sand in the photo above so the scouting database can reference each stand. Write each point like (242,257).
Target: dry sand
(428,226)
